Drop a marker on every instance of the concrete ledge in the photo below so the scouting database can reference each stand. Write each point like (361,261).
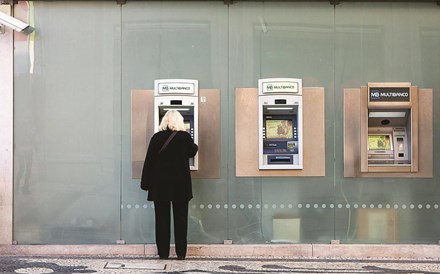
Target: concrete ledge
(281,250)
(403,251)
(73,249)
(342,251)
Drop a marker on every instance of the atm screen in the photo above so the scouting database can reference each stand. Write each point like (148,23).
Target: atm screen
(279,129)
(187,125)
(380,142)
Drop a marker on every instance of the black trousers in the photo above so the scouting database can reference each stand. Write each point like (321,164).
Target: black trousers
(162,212)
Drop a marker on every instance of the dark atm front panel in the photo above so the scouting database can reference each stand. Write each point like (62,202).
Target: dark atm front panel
(280,139)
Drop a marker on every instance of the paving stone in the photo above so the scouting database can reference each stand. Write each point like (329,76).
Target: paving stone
(212,265)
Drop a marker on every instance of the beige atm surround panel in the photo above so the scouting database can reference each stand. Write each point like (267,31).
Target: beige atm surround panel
(142,129)
(246,130)
(354,98)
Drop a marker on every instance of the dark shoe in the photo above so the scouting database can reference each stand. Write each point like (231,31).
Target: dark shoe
(180,258)
(163,257)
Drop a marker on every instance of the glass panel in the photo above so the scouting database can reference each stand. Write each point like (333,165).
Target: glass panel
(282,40)
(174,40)
(72,117)
(386,42)
(67,124)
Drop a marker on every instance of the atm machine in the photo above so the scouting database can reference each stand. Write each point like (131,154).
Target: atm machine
(180,95)
(280,123)
(389,128)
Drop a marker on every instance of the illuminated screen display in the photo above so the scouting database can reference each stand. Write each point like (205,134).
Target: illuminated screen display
(379,142)
(279,129)
(187,125)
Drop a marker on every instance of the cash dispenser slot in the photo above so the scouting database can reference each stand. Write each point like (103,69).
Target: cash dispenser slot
(176,102)
(279,160)
(280,101)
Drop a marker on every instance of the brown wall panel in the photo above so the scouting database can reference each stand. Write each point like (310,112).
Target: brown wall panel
(142,119)
(352,138)
(352,132)
(246,130)
(209,135)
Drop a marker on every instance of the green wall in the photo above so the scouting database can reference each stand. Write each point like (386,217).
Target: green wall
(72,116)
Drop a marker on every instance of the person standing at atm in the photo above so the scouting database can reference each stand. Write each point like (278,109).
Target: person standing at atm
(167,178)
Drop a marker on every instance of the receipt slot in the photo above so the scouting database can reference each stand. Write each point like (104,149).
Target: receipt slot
(180,95)
(280,123)
(389,128)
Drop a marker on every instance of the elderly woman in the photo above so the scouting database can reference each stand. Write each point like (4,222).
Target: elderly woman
(167,178)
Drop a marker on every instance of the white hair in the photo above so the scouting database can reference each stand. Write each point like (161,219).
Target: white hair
(172,120)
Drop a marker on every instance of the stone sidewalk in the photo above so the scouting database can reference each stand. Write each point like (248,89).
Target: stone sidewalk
(210,265)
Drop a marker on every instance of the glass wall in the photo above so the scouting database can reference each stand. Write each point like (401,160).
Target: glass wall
(282,40)
(174,40)
(67,124)
(72,116)
(386,42)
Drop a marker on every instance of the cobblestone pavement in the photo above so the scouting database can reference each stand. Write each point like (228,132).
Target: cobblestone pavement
(195,265)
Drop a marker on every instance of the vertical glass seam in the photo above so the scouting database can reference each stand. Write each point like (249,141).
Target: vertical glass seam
(334,121)
(121,126)
(228,169)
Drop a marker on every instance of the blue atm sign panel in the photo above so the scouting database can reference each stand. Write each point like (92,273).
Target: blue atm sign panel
(389,94)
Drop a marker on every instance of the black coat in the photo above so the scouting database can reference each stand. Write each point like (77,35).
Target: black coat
(167,176)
